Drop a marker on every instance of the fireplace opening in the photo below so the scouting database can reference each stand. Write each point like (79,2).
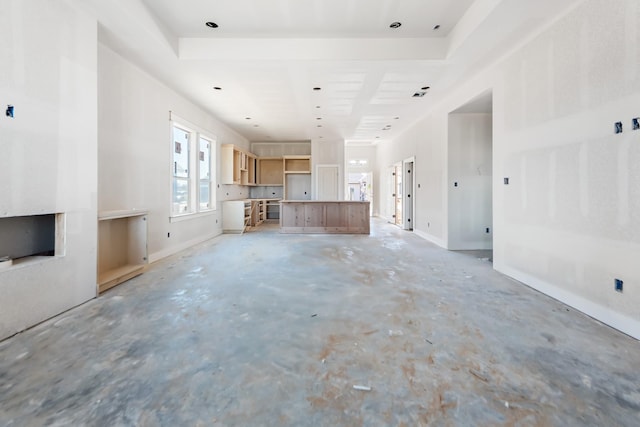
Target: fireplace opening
(31,236)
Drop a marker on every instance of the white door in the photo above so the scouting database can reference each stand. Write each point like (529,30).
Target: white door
(327,182)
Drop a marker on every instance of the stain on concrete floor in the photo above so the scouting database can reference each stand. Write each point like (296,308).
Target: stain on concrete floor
(266,329)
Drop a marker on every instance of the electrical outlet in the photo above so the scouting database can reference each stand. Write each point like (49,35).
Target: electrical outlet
(9,111)
(618,284)
(455,184)
(506,181)
(635,123)
(168,235)
(487,230)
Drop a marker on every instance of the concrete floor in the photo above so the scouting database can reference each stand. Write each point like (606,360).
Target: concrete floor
(266,329)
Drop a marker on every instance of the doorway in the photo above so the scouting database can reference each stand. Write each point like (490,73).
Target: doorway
(397,193)
(408,199)
(361,188)
(470,175)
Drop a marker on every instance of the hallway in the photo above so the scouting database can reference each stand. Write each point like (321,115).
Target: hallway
(275,330)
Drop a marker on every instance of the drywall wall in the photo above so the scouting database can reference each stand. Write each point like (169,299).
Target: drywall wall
(327,152)
(568,222)
(470,179)
(134,153)
(48,162)
(424,141)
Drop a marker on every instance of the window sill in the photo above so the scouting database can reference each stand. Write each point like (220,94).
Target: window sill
(188,216)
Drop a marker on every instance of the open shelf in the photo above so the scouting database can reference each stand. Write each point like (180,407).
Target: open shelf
(270,171)
(297,164)
(122,247)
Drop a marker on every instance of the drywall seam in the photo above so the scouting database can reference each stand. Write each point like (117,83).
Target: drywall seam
(600,313)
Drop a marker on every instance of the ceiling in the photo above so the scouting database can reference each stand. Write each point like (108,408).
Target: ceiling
(267,56)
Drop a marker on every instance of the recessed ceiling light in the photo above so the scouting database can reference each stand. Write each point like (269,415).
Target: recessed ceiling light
(317,88)
(425,88)
(419,94)
(247,118)
(395,25)
(211,24)
(319,126)
(317,106)
(437,27)
(377,137)
(255,126)
(217,88)
(396,118)
(318,118)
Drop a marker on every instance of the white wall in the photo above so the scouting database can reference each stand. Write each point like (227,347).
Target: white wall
(134,152)
(328,152)
(569,222)
(427,142)
(48,162)
(470,180)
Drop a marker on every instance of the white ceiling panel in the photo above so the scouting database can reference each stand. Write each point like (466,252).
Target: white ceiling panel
(268,55)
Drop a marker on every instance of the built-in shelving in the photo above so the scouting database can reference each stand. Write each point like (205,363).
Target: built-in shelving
(237,166)
(122,246)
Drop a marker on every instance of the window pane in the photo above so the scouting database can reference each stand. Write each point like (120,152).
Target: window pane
(180,152)
(204,158)
(204,195)
(180,195)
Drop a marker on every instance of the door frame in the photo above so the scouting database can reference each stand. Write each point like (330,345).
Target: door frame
(408,194)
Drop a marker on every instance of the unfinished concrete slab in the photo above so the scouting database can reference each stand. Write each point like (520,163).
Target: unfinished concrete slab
(320,330)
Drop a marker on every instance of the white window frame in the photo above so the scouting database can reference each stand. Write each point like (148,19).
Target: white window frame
(196,133)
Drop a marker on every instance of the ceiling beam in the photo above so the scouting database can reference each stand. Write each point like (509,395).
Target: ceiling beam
(307,49)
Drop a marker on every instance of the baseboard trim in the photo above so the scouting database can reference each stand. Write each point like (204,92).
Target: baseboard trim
(430,238)
(621,322)
(185,245)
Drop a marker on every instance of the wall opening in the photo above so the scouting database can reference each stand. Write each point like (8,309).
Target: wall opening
(470,175)
(361,188)
(24,237)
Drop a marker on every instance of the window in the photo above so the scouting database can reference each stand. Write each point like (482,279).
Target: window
(181,168)
(192,161)
(204,167)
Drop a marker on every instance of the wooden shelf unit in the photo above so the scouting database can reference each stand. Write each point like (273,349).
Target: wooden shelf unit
(122,247)
(272,210)
(258,212)
(297,164)
(237,166)
(236,216)
(270,171)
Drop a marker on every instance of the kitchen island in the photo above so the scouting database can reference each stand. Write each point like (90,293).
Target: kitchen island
(319,216)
